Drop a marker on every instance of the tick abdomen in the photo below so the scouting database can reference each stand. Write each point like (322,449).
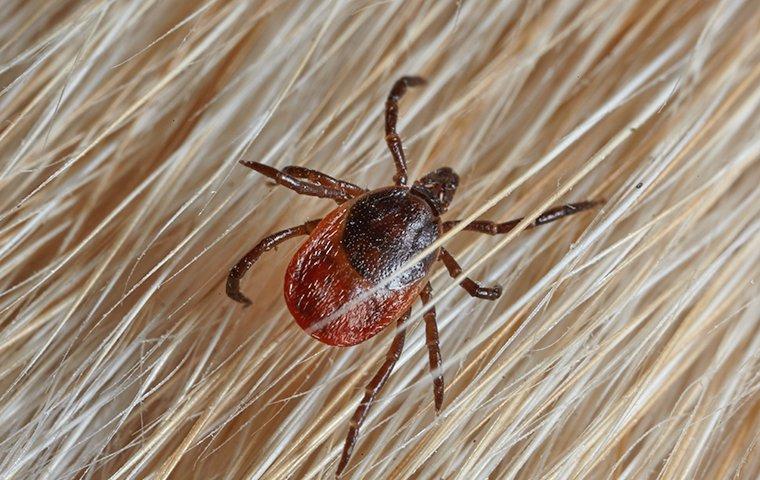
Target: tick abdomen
(334,284)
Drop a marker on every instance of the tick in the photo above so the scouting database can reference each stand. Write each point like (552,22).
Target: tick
(340,285)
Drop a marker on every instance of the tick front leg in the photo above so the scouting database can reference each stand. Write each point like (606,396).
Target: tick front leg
(297,185)
(492,228)
(268,243)
(473,288)
(371,391)
(391,118)
(434,348)
(324,180)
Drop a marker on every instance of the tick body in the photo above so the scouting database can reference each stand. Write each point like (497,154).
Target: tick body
(345,283)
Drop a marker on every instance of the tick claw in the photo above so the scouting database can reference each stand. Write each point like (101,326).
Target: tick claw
(414,81)
(242,300)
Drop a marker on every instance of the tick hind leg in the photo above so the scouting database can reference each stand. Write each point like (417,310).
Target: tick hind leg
(493,228)
(300,186)
(473,288)
(268,243)
(391,118)
(371,391)
(434,348)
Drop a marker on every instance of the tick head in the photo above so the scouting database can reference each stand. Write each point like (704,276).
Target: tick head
(438,188)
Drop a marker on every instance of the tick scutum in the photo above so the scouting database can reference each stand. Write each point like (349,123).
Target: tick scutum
(387,228)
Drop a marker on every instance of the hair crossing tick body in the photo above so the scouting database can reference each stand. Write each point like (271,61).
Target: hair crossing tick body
(343,285)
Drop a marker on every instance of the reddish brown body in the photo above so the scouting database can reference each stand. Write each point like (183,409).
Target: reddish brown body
(334,284)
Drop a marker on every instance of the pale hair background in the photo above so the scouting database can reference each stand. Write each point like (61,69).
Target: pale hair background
(626,344)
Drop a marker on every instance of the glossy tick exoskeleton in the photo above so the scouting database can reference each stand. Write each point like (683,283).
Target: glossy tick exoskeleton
(340,285)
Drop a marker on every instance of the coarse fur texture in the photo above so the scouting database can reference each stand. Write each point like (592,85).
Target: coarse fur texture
(626,343)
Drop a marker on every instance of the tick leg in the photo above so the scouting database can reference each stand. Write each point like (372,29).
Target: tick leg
(492,228)
(323,179)
(371,390)
(268,243)
(297,185)
(391,117)
(473,288)
(434,349)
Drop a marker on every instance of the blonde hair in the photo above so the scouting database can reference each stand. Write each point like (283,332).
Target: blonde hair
(625,344)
